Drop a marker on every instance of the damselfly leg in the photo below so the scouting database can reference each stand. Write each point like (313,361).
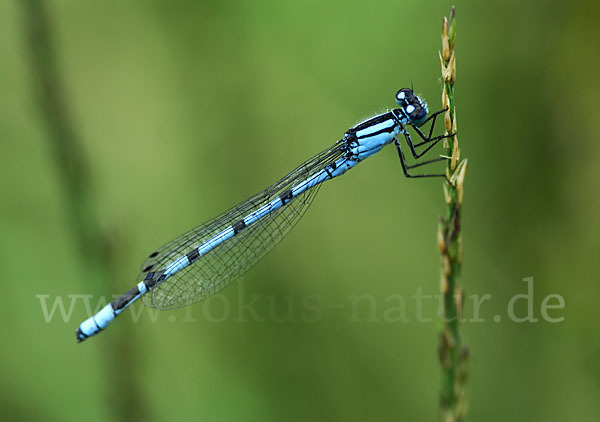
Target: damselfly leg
(406,167)
(427,139)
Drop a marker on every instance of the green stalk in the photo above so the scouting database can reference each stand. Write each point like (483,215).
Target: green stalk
(453,355)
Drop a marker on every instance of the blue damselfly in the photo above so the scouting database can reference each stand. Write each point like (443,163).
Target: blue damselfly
(199,263)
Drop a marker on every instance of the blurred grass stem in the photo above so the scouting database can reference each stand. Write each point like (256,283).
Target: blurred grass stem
(94,245)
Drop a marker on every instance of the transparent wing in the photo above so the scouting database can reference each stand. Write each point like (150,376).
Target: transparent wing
(222,265)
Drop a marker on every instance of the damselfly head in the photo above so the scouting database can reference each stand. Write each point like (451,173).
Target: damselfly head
(412,106)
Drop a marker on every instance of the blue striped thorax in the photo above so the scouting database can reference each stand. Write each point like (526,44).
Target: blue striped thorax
(370,136)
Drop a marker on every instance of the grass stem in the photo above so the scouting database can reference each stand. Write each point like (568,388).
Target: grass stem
(453,354)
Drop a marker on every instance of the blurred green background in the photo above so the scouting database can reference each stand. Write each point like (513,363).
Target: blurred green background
(182,109)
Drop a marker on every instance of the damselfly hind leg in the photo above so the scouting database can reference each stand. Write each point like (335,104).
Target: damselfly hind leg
(422,163)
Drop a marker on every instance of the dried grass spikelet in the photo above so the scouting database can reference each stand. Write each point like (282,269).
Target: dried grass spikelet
(455,155)
(445,68)
(451,74)
(448,121)
(447,195)
(445,40)
(460,179)
(444,284)
(441,238)
(446,266)
(445,102)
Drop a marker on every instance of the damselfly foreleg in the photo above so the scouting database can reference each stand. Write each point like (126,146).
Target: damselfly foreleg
(427,139)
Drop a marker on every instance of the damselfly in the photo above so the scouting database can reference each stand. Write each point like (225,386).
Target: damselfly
(199,263)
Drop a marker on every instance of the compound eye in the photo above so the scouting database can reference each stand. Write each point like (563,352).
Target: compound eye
(416,114)
(404,96)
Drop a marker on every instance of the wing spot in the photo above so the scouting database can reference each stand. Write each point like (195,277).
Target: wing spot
(153,254)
